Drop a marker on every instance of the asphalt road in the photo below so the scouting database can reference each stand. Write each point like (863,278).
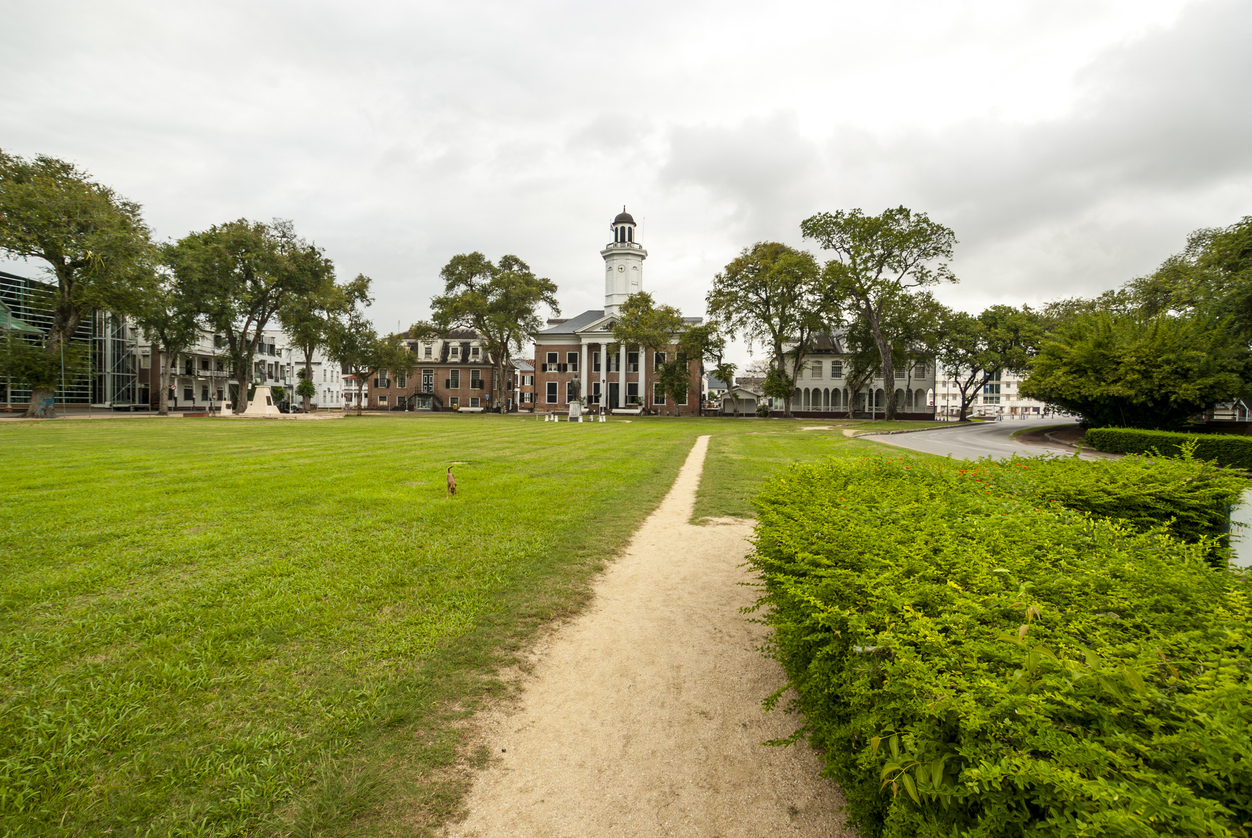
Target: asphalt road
(974,440)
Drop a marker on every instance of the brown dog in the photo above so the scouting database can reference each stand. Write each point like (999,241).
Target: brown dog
(451,483)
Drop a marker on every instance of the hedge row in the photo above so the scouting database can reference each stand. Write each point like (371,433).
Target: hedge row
(1188,497)
(974,658)
(1224,449)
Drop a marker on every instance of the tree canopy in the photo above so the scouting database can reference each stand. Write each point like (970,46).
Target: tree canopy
(355,344)
(243,273)
(1122,370)
(641,322)
(94,242)
(1212,274)
(170,320)
(770,294)
(877,261)
(977,348)
(310,318)
(500,302)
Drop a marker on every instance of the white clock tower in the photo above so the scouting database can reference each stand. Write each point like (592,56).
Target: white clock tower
(623,263)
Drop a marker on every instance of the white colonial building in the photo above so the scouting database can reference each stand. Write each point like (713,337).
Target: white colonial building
(824,387)
(201,377)
(999,396)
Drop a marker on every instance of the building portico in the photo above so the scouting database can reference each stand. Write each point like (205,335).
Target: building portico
(578,358)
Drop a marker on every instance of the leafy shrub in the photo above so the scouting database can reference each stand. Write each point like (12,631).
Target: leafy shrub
(975,658)
(762,411)
(1190,498)
(1223,449)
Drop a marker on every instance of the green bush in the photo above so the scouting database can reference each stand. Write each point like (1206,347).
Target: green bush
(1189,498)
(1223,449)
(975,658)
(762,411)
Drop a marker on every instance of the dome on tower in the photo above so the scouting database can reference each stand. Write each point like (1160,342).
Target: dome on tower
(623,217)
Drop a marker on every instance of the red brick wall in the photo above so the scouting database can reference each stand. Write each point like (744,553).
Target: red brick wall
(542,377)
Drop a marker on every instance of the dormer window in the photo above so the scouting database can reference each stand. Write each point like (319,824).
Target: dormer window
(427,349)
(474,352)
(455,352)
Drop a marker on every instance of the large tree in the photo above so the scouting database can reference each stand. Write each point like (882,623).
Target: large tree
(310,318)
(641,322)
(94,242)
(1014,336)
(976,349)
(770,294)
(699,342)
(498,301)
(243,273)
(1213,273)
(1123,370)
(964,357)
(878,261)
(170,320)
(725,371)
(353,343)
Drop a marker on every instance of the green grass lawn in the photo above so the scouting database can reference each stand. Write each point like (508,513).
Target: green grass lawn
(234,627)
(739,462)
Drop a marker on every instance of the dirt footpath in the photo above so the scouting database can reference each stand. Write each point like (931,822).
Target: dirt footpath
(642,717)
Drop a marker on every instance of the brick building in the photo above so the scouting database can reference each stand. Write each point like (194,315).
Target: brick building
(449,373)
(573,358)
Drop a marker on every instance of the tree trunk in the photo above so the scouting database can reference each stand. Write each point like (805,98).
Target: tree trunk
(888,372)
(501,388)
(43,399)
(308,376)
(244,376)
(163,397)
(42,403)
(780,363)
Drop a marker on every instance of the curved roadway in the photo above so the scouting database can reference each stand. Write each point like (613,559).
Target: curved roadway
(973,440)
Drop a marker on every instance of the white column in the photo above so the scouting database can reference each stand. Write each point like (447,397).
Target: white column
(582,373)
(621,374)
(643,366)
(604,376)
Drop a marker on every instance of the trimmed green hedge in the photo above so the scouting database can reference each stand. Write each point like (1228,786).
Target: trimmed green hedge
(1223,449)
(974,658)
(1189,498)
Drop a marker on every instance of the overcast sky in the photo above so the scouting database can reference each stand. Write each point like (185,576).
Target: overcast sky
(1070,144)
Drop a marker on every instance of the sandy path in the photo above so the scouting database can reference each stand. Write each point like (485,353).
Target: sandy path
(642,717)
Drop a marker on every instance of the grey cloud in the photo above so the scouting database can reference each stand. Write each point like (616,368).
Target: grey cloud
(757,168)
(1159,117)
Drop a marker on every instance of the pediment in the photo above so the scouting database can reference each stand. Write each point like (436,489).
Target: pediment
(604,324)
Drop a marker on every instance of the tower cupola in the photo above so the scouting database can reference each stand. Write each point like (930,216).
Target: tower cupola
(623,263)
(623,228)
